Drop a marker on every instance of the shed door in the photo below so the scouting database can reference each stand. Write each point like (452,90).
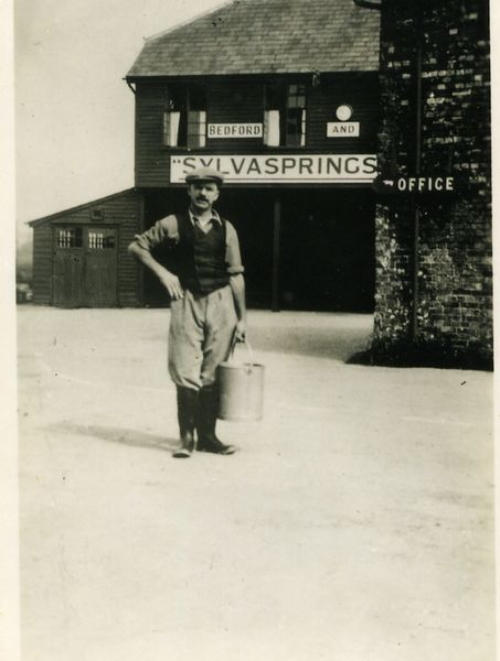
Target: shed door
(85,267)
(68,289)
(100,268)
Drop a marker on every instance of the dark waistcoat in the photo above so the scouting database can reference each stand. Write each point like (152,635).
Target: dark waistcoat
(200,258)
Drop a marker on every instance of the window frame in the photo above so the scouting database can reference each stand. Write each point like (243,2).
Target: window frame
(191,131)
(98,240)
(301,119)
(65,242)
(282,94)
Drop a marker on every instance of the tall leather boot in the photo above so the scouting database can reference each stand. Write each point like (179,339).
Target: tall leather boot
(187,405)
(207,418)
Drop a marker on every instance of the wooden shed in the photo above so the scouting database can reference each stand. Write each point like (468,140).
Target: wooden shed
(80,254)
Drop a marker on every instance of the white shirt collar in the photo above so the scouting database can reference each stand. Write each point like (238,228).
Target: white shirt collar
(215,216)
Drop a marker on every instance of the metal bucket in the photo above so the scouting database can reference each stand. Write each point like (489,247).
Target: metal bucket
(241,389)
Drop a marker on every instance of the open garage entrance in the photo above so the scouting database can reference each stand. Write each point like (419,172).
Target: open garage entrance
(303,249)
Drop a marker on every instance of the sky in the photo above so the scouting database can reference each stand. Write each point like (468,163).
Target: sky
(74,113)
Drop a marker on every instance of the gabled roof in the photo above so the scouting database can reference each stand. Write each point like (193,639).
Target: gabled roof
(79,207)
(267,36)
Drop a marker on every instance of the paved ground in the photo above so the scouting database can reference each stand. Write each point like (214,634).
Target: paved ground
(354,525)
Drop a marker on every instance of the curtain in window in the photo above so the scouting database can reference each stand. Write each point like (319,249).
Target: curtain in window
(272,128)
(171,124)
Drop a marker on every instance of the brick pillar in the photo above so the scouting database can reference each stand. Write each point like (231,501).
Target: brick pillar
(454,258)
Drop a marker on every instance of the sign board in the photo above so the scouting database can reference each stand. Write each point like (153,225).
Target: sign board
(246,130)
(342,130)
(281,168)
(422,184)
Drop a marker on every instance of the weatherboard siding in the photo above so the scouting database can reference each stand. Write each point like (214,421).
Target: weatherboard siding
(151,158)
(42,265)
(123,213)
(360,91)
(235,101)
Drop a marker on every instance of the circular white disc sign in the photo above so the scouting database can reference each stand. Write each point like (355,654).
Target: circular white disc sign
(344,113)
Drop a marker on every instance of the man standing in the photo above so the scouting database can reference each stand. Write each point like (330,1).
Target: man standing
(207,291)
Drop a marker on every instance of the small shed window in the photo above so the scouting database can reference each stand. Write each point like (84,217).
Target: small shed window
(69,237)
(185,117)
(101,240)
(96,214)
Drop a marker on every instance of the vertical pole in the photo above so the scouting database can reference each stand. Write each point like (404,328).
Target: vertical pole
(275,305)
(416,247)
(418,162)
(140,294)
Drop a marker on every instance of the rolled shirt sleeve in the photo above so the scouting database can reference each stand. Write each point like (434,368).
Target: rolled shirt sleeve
(233,254)
(163,230)
(167,230)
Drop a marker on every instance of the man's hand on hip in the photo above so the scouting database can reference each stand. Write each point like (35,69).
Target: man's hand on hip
(171,284)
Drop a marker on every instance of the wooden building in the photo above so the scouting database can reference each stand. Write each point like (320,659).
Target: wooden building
(79,254)
(280,95)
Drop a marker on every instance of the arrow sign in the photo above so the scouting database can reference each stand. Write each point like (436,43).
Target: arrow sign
(413,185)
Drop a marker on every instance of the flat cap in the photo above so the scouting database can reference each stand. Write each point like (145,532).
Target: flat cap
(205,174)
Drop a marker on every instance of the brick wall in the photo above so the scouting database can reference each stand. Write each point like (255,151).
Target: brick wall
(452,321)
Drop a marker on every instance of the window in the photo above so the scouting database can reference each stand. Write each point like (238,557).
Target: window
(69,237)
(101,240)
(285,115)
(296,116)
(175,130)
(96,214)
(185,117)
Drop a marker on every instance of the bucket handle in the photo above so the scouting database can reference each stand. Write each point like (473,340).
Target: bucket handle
(245,342)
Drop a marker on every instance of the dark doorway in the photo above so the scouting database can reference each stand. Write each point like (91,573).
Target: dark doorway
(327,245)
(250,211)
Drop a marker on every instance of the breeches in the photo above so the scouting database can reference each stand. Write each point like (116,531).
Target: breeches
(200,335)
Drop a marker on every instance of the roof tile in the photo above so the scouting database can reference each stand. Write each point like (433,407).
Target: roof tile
(264,36)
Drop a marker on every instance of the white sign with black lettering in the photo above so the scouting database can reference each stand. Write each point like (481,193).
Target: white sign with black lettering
(281,168)
(342,130)
(246,130)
